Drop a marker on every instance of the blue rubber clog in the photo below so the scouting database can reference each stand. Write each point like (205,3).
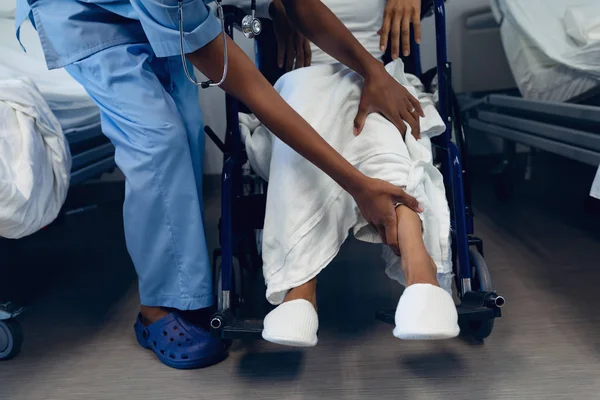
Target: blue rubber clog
(179,344)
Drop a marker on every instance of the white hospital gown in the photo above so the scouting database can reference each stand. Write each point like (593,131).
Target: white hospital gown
(308,215)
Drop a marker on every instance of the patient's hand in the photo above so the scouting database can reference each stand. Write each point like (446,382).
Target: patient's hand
(383,94)
(291,44)
(397,17)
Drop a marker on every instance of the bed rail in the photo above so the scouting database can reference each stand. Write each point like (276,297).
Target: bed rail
(565,129)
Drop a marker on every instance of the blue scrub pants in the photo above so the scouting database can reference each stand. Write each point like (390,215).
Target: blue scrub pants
(151,114)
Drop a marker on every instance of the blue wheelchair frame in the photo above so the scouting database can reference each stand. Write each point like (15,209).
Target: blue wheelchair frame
(241,214)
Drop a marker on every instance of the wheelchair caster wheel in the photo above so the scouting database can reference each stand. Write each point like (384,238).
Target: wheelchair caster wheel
(481,281)
(11,339)
(477,329)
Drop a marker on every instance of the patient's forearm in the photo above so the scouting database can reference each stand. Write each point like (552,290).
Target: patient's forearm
(324,29)
(246,83)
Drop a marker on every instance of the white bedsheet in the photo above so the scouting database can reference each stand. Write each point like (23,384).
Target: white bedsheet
(308,215)
(66,98)
(553,47)
(546,63)
(34,160)
(582,23)
(542,21)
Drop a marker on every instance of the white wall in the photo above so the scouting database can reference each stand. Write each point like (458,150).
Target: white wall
(455,13)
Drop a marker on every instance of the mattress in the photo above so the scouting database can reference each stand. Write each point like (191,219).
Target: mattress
(540,74)
(67,99)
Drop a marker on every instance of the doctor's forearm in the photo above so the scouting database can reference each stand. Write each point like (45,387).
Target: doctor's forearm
(319,25)
(246,83)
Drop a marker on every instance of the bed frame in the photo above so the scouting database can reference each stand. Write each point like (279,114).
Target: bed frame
(570,130)
(92,156)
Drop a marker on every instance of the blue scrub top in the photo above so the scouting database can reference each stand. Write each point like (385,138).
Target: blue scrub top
(71,30)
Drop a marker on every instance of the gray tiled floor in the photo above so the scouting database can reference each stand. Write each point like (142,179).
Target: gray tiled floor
(80,343)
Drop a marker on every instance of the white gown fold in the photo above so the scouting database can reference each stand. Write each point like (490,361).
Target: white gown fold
(308,215)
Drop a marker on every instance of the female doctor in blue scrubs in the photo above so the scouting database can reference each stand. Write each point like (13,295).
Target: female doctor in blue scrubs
(126,54)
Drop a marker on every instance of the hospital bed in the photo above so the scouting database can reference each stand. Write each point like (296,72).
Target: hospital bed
(92,153)
(557,106)
(243,204)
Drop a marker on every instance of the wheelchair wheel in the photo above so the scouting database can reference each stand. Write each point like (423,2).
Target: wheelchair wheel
(11,339)
(481,281)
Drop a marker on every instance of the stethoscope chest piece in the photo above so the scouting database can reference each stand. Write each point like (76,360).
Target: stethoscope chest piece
(251,26)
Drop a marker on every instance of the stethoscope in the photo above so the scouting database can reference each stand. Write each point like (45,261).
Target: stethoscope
(251,27)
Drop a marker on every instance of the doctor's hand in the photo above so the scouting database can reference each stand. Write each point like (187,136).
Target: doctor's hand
(291,44)
(383,94)
(397,17)
(377,202)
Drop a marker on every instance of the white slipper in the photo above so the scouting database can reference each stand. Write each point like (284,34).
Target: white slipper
(426,312)
(293,323)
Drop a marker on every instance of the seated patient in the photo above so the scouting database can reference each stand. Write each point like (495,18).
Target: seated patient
(309,216)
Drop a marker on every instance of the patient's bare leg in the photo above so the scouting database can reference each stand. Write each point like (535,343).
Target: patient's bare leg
(417,265)
(425,311)
(307,291)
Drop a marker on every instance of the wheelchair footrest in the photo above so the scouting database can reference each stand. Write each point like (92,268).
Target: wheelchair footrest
(474,306)
(243,328)
(237,328)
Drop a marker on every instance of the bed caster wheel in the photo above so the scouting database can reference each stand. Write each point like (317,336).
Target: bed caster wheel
(11,339)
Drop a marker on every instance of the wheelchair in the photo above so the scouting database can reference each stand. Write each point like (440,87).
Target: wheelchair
(243,200)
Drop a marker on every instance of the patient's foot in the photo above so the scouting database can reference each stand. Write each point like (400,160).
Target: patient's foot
(307,291)
(295,321)
(425,311)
